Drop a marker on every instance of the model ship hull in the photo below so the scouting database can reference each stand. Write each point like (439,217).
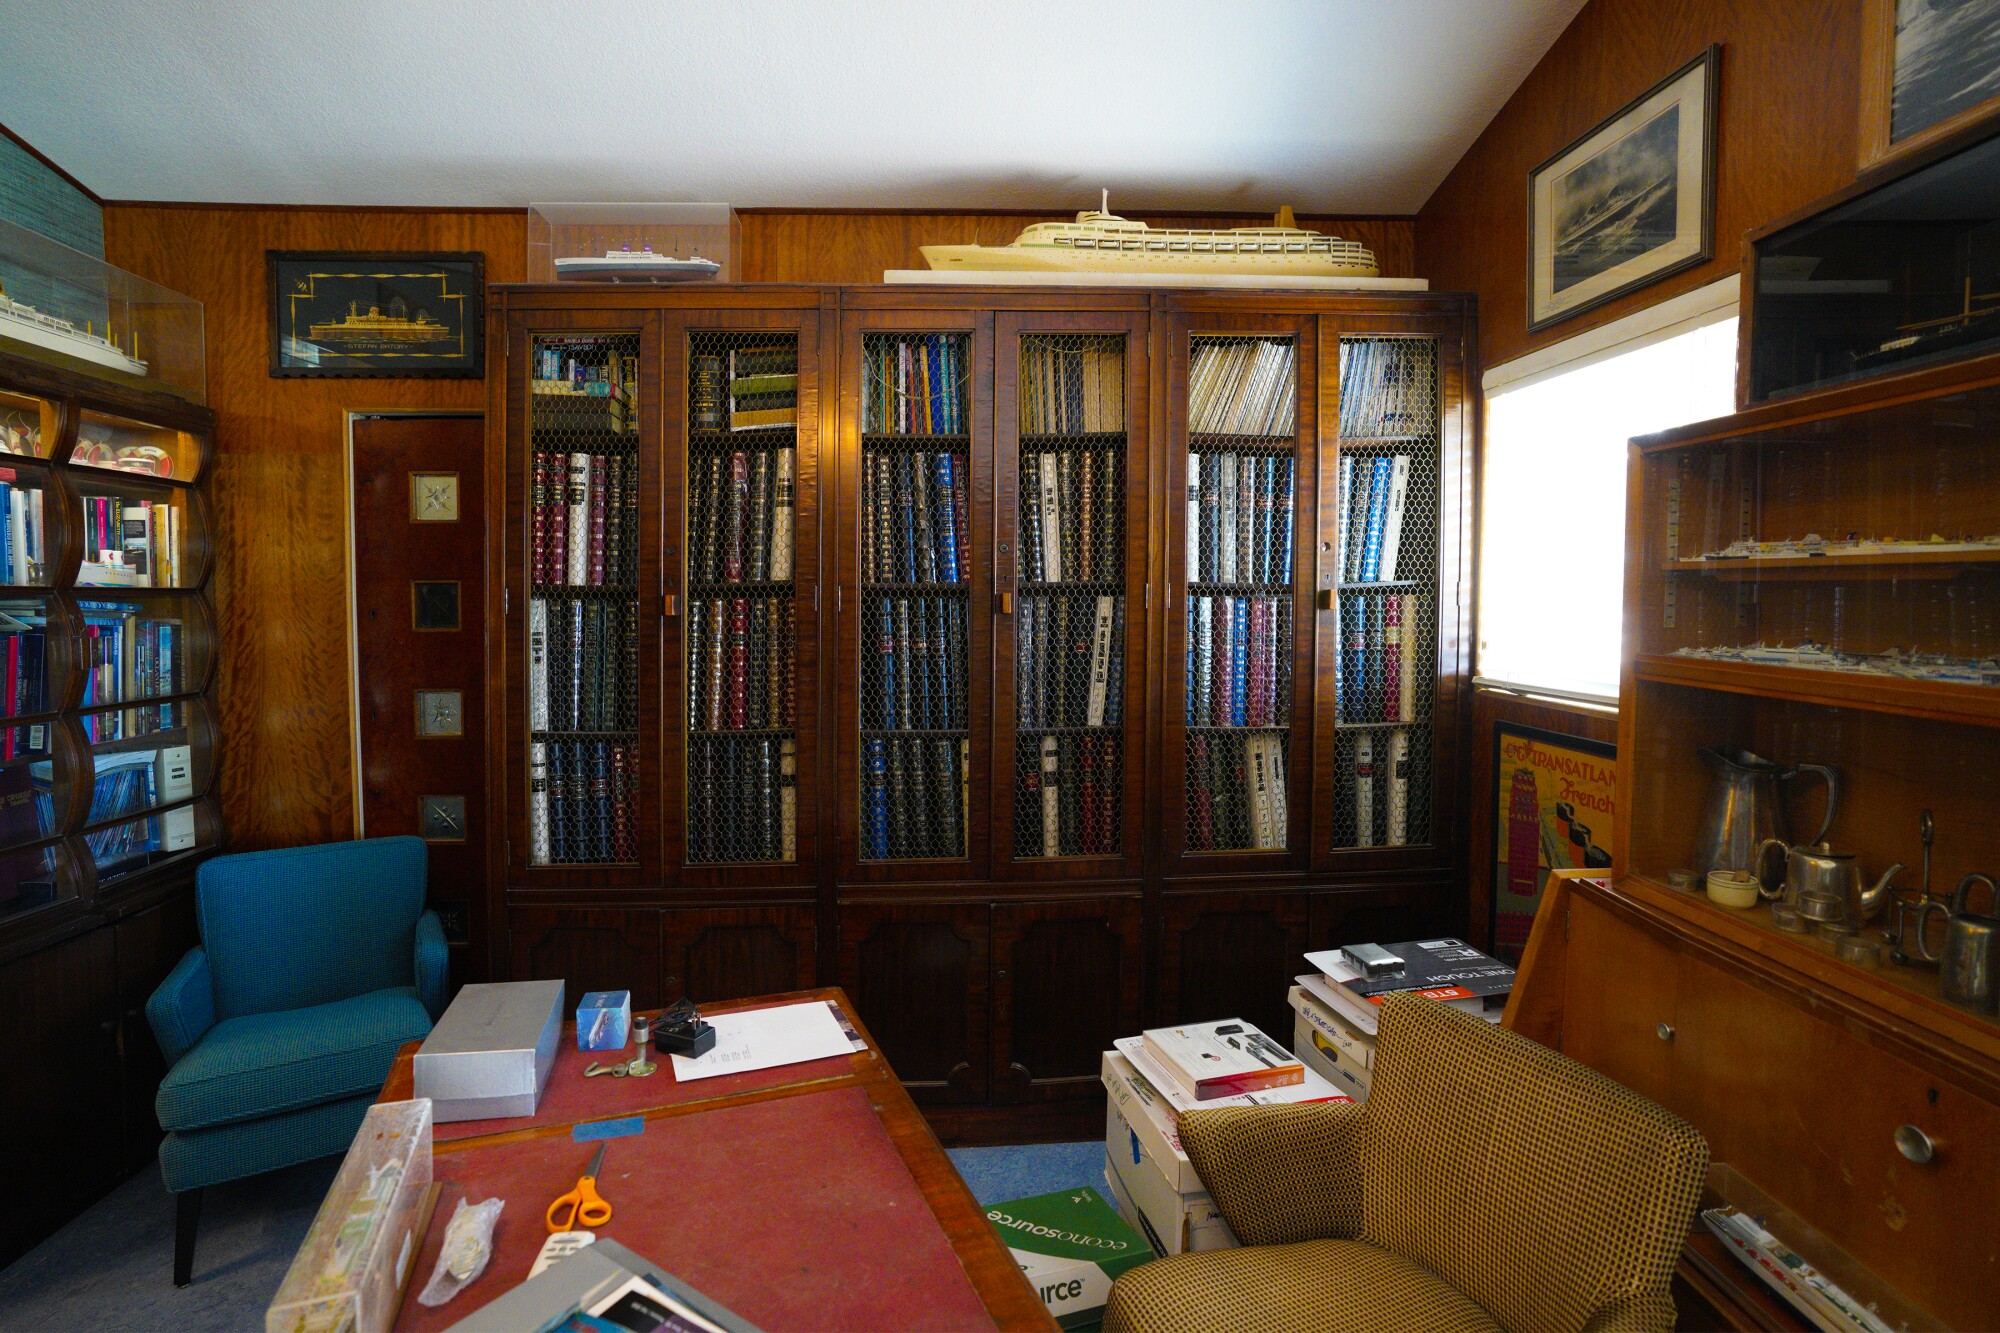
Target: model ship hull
(585,269)
(69,344)
(1055,259)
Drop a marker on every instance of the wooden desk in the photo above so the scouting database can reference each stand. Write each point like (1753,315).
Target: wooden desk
(729,1124)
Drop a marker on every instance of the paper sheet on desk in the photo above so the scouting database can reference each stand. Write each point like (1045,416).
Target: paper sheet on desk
(763,1038)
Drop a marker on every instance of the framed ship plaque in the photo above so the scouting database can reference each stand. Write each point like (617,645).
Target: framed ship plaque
(377,315)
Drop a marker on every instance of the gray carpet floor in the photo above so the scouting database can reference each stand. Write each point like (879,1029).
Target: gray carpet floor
(111,1270)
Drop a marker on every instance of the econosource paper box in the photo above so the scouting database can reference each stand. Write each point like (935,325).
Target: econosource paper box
(1071,1245)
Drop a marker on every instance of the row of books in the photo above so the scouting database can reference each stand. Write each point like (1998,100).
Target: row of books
(1381,785)
(128,655)
(23,535)
(1070,661)
(1379,640)
(1239,518)
(1071,390)
(740,517)
(1239,661)
(583,665)
(742,798)
(916,680)
(136,781)
(584,520)
(914,510)
(1383,384)
(1374,495)
(1237,791)
(915,384)
(582,801)
(1355,979)
(745,388)
(24,678)
(585,384)
(1073,516)
(915,795)
(739,657)
(126,543)
(1242,386)
(1068,796)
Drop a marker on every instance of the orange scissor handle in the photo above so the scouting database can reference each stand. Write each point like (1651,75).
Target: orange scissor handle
(582,1206)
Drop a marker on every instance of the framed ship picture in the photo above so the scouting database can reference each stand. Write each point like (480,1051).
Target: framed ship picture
(1556,801)
(343,314)
(1628,203)
(1928,68)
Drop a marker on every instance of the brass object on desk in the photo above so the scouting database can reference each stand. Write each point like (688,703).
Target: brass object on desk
(642,1033)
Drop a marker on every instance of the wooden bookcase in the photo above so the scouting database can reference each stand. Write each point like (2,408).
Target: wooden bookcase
(994,937)
(109,748)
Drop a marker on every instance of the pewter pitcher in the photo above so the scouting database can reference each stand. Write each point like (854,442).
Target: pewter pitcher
(1746,809)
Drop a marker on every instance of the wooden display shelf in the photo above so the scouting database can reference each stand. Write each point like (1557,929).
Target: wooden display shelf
(1974,705)
(1913,564)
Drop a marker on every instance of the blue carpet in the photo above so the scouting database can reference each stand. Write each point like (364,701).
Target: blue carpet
(111,1269)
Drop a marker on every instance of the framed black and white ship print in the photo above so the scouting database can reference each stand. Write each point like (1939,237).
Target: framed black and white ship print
(1928,67)
(1629,202)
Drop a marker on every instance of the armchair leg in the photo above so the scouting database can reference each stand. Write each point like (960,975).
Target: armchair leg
(187,1216)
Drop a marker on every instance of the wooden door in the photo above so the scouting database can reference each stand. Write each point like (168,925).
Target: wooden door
(1241,431)
(418,536)
(589,948)
(1231,955)
(1071,553)
(1621,1000)
(712,954)
(740,487)
(918,974)
(914,571)
(1066,983)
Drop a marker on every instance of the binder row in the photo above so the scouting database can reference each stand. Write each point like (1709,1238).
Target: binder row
(1237,791)
(1071,386)
(1242,386)
(582,801)
(915,511)
(1239,661)
(742,798)
(740,516)
(739,664)
(1239,518)
(583,664)
(1380,645)
(915,794)
(1072,507)
(915,384)
(1383,382)
(584,519)
(916,680)
(1070,661)
(1069,797)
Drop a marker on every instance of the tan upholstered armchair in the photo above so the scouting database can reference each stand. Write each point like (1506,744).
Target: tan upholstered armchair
(1487,1183)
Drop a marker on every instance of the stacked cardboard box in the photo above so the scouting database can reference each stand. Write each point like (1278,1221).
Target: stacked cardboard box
(1331,1045)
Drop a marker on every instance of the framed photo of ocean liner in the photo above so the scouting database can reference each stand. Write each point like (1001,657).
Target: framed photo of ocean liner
(1928,67)
(377,315)
(1628,203)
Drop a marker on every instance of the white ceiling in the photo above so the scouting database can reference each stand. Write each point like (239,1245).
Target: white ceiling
(1329,105)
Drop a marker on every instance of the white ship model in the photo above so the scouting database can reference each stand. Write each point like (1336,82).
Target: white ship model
(628,265)
(1102,242)
(29,325)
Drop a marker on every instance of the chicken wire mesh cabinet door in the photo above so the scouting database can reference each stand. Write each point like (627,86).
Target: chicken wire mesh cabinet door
(1241,483)
(1070,396)
(583,623)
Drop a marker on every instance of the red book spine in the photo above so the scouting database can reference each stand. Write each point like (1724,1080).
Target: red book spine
(739,501)
(538,499)
(1218,705)
(1109,752)
(621,803)
(557,569)
(1201,822)
(1253,708)
(739,663)
(961,479)
(599,481)
(1086,763)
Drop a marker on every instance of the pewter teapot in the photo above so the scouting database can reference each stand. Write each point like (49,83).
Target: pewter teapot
(1745,809)
(1823,884)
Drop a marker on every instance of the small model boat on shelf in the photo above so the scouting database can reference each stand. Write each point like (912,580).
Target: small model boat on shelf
(29,325)
(628,265)
(1099,241)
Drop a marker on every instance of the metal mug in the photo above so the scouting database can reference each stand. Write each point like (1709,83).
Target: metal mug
(1971,956)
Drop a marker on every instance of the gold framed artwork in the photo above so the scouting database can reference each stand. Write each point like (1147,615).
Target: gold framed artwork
(380,315)
(1928,68)
(433,497)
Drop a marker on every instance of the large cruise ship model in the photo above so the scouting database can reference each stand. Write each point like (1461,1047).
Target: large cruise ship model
(30,325)
(1102,242)
(628,265)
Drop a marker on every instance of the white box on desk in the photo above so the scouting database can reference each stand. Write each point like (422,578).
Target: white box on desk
(490,1055)
(1329,1061)
(1335,1026)
(1175,1222)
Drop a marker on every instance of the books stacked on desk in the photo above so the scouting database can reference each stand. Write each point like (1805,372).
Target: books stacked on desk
(126,543)
(1221,1059)
(916,506)
(1444,971)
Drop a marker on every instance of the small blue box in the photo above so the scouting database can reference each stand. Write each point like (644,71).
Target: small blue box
(604,1020)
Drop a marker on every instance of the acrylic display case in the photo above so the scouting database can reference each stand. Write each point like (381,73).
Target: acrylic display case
(680,231)
(68,309)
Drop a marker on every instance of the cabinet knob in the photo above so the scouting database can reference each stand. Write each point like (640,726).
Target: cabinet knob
(1000,974)
(1916,1145)
(1665,1031)
(670,981)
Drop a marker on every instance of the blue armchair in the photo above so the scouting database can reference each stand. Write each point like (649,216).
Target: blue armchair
(315,965)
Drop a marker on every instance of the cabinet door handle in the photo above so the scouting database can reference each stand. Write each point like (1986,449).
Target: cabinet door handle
(1916,1145)
(1006,603)
(669,605)
(1665,1031)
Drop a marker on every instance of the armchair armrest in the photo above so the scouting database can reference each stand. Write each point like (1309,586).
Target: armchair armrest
(182,1007)
(1281,1173)
(433,959)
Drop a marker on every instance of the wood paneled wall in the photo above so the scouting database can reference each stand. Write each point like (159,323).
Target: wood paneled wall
(281,586)
(1789,110)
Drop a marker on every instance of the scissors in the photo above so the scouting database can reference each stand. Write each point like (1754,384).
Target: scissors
(586,1206)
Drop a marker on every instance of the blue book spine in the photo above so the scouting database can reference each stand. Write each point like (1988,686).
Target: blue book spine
(7,535)
(878,799)
(1281,540)
(885,648)
(1354,626)
(1114,689)
(934,362)
(558,802)
(1378,514)
(1190,702)
(947,524)
(1239,659)
(941,656)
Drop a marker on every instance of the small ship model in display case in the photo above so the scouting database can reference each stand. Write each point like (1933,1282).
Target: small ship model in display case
(23,322)
(628,265)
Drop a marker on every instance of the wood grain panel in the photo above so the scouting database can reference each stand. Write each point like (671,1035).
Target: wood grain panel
(713,955)
(279,499)
(589,949)
(1788,113)
(1621,984)
(1232,955)
(917,973)
(1065,985)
